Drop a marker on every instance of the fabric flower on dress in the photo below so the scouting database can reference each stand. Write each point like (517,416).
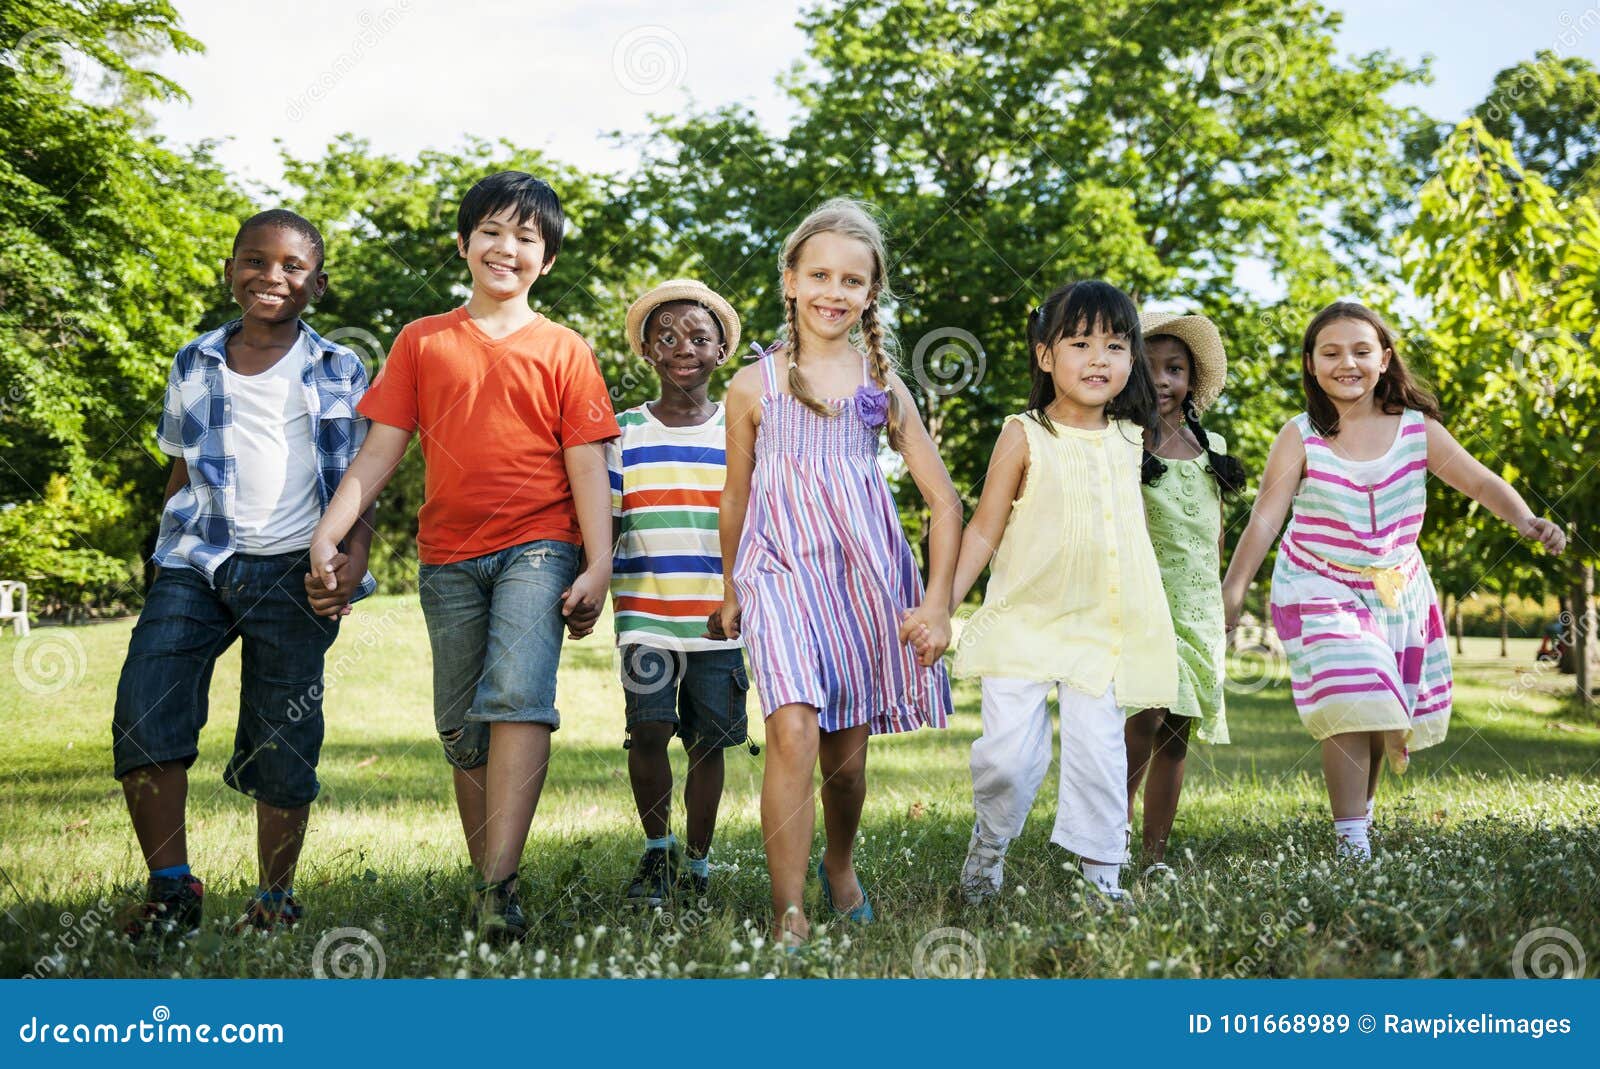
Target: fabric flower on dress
(871,404)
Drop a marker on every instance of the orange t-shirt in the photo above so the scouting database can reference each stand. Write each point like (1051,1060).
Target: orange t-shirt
(494,415)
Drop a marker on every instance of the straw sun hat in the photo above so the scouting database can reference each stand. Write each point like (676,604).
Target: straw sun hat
(682,289)
(1203,340)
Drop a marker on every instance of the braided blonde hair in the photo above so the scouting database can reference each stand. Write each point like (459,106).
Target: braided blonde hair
(853,220)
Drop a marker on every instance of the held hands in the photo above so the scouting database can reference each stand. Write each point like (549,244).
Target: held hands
(333,579)
(1232,606)
(927,628)
(724,623)
(582,601)
(1547,534)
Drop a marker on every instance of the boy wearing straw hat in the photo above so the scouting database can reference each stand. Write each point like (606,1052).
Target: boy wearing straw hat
(667,471)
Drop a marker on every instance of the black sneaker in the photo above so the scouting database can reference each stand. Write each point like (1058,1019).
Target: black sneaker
(693,882)
(265,917)
(497,911)
(171,909)
(657,872)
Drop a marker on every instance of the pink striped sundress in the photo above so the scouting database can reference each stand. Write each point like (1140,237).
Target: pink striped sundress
(1352,600)
(824,571)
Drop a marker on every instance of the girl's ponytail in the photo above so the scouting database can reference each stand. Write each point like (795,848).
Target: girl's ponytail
(878,360)
(1227,470)
(791,351)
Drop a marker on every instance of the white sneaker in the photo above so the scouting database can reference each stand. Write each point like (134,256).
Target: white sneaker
(984,870)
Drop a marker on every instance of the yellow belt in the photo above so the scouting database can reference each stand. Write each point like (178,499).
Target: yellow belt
(1390,582)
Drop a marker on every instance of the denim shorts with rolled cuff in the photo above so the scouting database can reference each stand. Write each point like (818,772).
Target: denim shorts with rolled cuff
(185,625)
(495,626)
(700,692)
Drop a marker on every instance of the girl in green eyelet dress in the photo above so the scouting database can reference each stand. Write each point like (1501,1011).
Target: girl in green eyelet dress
(1186,471)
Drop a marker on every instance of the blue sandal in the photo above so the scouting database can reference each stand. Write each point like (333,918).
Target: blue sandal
(862,914)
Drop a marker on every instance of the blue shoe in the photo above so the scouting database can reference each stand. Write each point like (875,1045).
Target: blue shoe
(862,914)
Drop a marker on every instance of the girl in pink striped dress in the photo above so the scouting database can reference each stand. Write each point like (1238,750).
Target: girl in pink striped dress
(1352,601)
(818,575)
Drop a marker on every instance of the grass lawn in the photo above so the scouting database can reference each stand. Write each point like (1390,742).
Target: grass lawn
(1490,836)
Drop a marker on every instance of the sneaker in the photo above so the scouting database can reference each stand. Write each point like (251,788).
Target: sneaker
(264,917)
(171,909)
(984,871)
(652,881)
(497,911)
(1101,900)
(1159,871)
(693,882)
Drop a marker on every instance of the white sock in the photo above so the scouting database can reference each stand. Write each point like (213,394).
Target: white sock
(1352,835)
(1104,877)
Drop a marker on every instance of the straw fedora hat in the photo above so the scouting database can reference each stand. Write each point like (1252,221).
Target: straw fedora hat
(682,289)
(1204,341)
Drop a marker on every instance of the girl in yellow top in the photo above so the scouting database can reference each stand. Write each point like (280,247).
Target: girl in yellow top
(1075,600)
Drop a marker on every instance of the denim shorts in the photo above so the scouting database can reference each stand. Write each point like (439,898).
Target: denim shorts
(495,626)
(184,627)
(700,692)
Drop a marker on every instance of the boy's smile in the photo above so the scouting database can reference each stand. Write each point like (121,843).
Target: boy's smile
(274,274)
(684,344)
(504,256)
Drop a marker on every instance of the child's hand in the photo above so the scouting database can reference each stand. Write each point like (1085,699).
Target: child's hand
(582,601)
(725,622)
(1547,534)
(344,577)
(927,628)
(1232,607)
(714,627)
(325,560)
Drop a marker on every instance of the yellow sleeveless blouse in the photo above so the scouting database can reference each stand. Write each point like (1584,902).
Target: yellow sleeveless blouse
(1075,593)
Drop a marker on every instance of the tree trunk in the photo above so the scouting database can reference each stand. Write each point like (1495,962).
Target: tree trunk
(1456,601)
(1583,614)
(1564,617)
(1503,624)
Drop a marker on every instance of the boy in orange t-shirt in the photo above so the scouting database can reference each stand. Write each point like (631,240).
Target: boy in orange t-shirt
(513,415)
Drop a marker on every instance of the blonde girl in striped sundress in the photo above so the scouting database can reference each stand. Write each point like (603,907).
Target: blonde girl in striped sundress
(817,571)
(1352,601)
(1074,603)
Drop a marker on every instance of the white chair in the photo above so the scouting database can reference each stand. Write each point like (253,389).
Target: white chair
(14,606)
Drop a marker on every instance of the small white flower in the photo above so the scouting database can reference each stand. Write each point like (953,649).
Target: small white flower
(579,941)
(735,946)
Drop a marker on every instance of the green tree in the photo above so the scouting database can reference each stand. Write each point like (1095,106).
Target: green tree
(1018,144)
(109,253)
(1548,108)
(1511,275)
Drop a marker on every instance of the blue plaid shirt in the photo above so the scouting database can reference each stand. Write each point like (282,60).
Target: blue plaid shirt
(197,525)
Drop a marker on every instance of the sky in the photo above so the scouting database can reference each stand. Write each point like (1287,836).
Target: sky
(415,74)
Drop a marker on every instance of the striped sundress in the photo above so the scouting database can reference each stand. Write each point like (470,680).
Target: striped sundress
(1352,600)
(824,572)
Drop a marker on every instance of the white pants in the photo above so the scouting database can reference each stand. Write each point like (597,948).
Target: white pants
(1010,760)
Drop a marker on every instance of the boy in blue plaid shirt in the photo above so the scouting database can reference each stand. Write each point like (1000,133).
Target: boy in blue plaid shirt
(260,422)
